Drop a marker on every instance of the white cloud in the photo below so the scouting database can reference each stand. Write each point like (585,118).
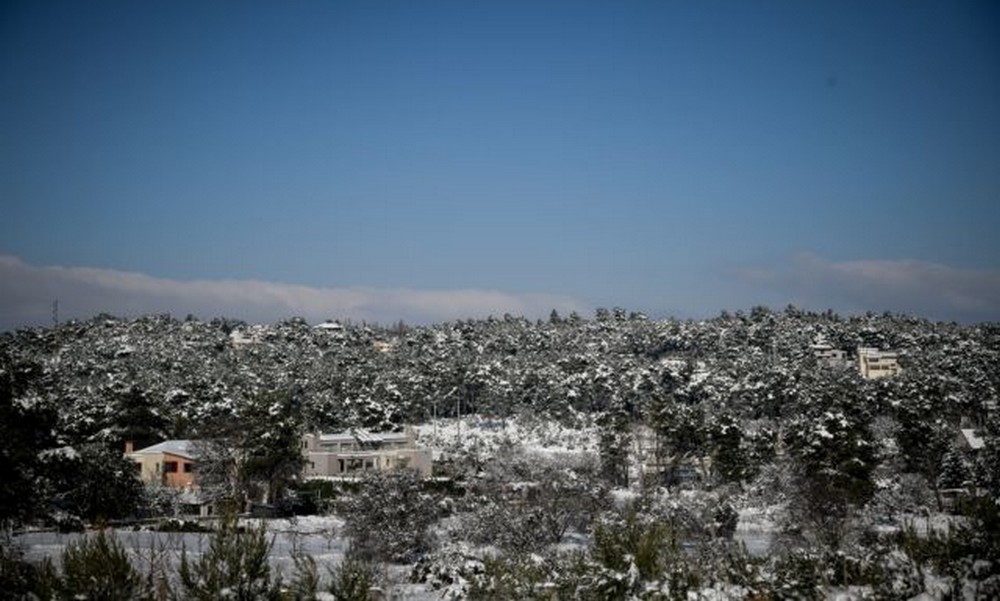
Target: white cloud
(27,293)
(921,288)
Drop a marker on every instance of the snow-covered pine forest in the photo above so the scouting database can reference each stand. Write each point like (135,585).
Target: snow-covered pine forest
(610,457)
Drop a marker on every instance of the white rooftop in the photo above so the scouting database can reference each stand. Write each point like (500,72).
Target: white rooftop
(362,436)
(183,448)
(868,351)
(974,440)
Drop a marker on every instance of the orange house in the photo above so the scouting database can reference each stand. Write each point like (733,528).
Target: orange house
(171,463)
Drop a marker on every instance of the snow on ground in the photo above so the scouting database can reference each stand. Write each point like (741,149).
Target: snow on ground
(318,536)
(305,524)
(756,529)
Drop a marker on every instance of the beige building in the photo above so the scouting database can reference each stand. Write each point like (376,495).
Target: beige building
(874,363)
(170,463)
(825,353)
(348,453)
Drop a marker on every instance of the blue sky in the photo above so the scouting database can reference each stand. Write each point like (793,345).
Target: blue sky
(672,157)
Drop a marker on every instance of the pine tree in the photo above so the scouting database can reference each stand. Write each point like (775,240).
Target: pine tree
(614,445)
(97,567)
(833,465)
(235,566)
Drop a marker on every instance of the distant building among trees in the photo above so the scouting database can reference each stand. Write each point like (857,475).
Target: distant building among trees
(874,363)
(352,452)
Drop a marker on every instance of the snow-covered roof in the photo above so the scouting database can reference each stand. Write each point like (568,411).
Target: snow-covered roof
(867,351)
(973,439)
(182,448)
(329,325)
(363,436)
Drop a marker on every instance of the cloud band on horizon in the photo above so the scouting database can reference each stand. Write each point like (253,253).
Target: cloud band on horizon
(27,293)
(921,288)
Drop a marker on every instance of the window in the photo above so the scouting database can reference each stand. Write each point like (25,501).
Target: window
(170,467)
(188,468)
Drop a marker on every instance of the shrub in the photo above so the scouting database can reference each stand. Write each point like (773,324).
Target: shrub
(234,567)
(513,577)
(97,567)
(353,580)
(20,579)
(388,519)
(797,575)
(305,578)
(618,545)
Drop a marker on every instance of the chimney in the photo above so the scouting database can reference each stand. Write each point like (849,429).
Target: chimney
(129,447)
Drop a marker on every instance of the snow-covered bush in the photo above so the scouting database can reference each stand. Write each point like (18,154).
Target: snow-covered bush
(353,580)
(524,502)
(449,570)
(388,519)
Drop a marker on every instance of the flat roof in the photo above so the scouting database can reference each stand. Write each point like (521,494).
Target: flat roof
(360,435)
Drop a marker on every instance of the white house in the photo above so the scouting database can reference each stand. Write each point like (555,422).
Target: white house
(348,453)
(874,363)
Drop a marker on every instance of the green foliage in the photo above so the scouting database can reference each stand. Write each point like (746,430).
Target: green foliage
(97,567)
(272,435)
(615,440)
(38,472)
(798,575)
(729,456)
(833,466)
(27,426)
(100,484)
(513,577)
(305,578)
(965,549)
(20,579)
(388,519)
(353,580)
(136,417)
(256,454)
(235,566)
(548,500)
(621,544)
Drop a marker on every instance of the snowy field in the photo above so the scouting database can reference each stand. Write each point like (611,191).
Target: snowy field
(317,536)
